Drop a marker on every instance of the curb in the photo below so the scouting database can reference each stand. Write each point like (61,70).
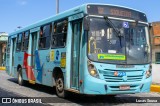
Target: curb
(2,68)
(155,88)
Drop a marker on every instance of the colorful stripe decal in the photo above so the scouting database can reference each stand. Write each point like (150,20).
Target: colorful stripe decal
(29,71)
(38,66)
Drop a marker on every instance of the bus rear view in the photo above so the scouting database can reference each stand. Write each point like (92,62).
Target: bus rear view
(118,51)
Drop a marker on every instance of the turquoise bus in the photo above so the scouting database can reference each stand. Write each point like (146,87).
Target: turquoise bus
(95,49)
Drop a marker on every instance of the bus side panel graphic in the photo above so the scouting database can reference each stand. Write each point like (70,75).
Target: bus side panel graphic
(29,71)
(38,66)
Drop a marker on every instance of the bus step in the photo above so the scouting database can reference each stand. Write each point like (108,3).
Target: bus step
(32,81)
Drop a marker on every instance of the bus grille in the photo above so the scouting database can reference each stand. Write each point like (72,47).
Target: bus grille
(132,75)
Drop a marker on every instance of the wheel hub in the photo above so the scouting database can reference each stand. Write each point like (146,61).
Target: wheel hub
(19,78)
(60,85)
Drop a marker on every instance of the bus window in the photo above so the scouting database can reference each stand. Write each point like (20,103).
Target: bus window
(19,42)
(45,36)
(23,40)
(26,38)
(60,34)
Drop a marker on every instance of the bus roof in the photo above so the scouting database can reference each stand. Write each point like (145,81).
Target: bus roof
(115,5)
(78,9)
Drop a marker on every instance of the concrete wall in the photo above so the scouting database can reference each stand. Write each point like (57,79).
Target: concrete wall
(154,35)
(2,53)
(156,73)
(3,42)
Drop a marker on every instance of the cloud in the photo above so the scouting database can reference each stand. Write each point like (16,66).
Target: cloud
(22,2)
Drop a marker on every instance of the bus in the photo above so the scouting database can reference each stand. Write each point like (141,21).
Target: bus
(93,49)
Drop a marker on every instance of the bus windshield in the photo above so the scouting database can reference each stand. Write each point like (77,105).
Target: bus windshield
(132,47)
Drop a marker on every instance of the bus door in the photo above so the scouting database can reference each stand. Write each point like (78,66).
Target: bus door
(13,55)
(33,48)
(76,36)
(13,51)
(32,52)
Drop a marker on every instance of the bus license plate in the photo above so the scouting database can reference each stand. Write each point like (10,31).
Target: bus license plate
(124,87)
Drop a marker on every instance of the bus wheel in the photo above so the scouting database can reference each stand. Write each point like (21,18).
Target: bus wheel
(20,79)
(112,96)
(60,87)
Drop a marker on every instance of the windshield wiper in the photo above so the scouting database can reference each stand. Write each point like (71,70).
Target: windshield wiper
(118,33)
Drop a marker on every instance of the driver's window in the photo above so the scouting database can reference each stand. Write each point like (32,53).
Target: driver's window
(136,36)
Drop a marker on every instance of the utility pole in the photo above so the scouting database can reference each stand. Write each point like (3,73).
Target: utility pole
(57,6)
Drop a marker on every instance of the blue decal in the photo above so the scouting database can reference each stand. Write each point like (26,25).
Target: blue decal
(121,74)
(125,25)
(38,66)
(57,55)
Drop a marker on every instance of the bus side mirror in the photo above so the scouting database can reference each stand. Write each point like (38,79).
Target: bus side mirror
(151,32)
(150,26)
(86,23)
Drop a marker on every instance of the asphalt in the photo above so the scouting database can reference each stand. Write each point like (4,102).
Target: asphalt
(10,88)
(7,94)
(4,93)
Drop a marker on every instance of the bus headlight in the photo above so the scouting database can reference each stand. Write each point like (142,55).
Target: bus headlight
(92,71)
(149,72)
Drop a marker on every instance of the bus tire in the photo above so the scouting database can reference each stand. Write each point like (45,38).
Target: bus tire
(20,78)
(60,86)
(113,95)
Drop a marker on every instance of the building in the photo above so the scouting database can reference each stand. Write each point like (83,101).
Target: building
(3,42)
(155,41)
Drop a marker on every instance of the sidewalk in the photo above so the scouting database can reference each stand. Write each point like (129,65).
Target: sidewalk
(3,68)
(155,87)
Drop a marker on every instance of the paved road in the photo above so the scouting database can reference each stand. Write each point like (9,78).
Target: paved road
(8,94)
(10,88)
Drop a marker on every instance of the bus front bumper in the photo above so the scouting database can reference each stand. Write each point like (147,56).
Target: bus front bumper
(101,87)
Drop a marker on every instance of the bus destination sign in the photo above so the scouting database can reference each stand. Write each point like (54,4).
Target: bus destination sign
(116,12)
(122,13)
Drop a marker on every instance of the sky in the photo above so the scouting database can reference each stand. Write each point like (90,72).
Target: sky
(15,13)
